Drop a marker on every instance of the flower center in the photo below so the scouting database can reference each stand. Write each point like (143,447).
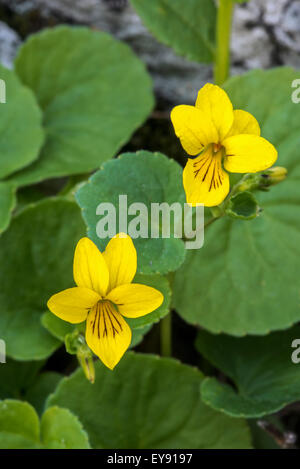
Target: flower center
(217,147)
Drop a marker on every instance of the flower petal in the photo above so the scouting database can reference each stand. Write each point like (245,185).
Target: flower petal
(121,259)
(90,269)
(204,180)
(135,300)
(73,304)
(248,154)
(192,128)
(244,123)
(107,333)
(217,108)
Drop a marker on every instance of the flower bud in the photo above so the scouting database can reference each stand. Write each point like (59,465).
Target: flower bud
(273,176)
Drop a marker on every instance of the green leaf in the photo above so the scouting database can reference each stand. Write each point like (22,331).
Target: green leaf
(247,274)
(138,335)
(16,377)
(188,27)
(22,380)
(146,178)
(7,203)
(261,368)
(56,326)
(39,244)
(20,125)
(44,385)
(139,406)
(60,429)
(20,428)
(19,425)
(243,206)
(94,93)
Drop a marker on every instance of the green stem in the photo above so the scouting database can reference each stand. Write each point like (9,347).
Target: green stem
(222,59)
(166,336)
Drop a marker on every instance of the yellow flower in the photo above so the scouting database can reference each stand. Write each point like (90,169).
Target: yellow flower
(104,294)
(221,138)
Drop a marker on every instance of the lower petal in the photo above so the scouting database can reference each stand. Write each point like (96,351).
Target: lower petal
(135,300)
(73,304)
(107,333)
(204,180)
(248,154)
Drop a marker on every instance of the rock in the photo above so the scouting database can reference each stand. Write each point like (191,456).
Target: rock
(265,34)
(9,42)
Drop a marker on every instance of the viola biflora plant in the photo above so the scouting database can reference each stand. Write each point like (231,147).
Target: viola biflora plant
(124,260)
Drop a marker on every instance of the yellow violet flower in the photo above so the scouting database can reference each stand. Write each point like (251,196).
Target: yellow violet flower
(221,138)
(104,294)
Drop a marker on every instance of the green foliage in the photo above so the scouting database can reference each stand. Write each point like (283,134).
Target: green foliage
(17,377)
(20,126)
(150,178)
(19,425)
(60,429)
(260,367)
(138,335)
(40,245)
(246,277)
(38,392)
(21,137)
(56,326)
(141,407)
(94,93)
(20,428)
(188,27)
(7,203)
(243,206)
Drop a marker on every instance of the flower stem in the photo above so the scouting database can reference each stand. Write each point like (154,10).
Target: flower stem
(166,336)
(222,59)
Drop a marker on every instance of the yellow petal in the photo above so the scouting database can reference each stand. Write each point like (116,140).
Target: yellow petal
(204,180)
(193,128)
(217,108)
(244,123)
(107,333)
(90,269)
(73,304)
(135,300)
(248,154)
(121,259)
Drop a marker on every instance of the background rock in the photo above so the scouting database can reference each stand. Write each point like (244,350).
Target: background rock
(9,42)
(265,34)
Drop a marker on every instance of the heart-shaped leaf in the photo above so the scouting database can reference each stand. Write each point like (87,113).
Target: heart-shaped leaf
(188,27)
(261,368)
(20,124)
(144,178)
(141,407)
(20,428)
(39,244)
(94,93)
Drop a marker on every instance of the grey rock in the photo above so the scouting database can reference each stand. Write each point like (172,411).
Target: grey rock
(9,42)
